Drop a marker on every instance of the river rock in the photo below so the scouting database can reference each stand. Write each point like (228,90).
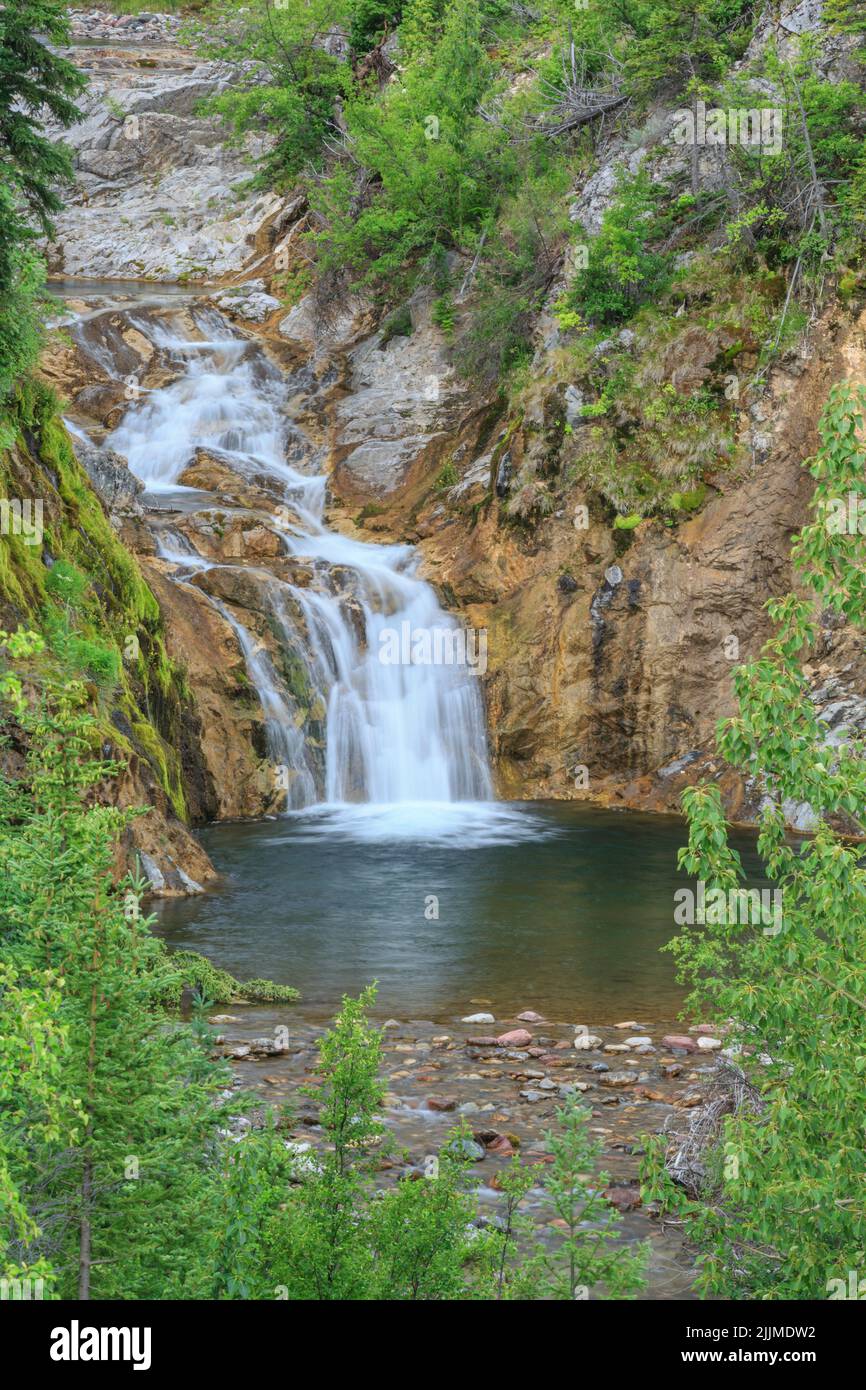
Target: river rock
(624,1198)
(501,1146)
(638,1042)
(247,301)
(708,1044)
(587,1042)
(518,1037)
(529,1017)
(462,1147)
(679,1040)
(478,1018)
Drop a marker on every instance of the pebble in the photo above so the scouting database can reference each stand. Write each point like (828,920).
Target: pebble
(679,1040)
(708,1044)
(638,1042)
(466,1148)
(478,1018)
(586,1042)
(518,1037)
(529,1017)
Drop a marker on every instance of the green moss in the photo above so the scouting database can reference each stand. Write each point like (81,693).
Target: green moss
(85,591)
(369,509)
(266,992)
(165,760)
(397,325)
(689,501)
(179,968)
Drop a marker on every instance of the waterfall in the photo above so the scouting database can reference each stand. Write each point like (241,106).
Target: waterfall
(401,726)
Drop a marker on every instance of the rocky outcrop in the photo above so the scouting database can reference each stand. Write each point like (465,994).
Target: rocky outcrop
(157,193)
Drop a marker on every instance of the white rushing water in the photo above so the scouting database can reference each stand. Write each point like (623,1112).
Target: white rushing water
(405,740)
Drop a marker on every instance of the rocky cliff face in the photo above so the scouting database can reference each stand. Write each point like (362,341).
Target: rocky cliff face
(157,192)
(610,651)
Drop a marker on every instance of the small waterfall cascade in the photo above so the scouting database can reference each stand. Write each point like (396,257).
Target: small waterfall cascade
(394,674)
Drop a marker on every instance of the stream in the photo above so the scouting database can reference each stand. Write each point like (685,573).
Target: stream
(387,857)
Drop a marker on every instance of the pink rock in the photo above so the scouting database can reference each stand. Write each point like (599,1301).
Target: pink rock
(679,1040)
(518,1037)
(529,1017)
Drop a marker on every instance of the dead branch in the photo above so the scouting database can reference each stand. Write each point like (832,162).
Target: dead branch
(689,1147)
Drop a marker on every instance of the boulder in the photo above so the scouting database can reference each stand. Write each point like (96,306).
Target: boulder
(110,476)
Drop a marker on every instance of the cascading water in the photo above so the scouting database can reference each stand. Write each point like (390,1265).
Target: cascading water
(399,732)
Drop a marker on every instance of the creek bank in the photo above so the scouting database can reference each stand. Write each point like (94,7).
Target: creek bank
(436,1076)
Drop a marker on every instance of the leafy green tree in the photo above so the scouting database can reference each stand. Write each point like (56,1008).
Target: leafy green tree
(297,102)
(432,168)
(35,1114)
(781,1211)
(426,1245)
